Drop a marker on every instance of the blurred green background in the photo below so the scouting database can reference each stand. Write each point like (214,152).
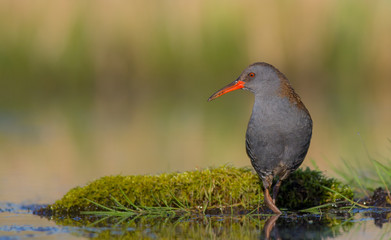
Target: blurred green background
(93,88)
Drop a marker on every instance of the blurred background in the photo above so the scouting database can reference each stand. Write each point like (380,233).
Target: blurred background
(95,88)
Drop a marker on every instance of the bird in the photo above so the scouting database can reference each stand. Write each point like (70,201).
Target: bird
(280,127)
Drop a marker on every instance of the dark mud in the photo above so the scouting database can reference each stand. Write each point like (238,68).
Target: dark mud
(380,198)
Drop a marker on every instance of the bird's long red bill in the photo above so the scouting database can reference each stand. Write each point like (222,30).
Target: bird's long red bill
(229,88)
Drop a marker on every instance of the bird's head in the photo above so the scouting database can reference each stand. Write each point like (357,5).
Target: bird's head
(259,78)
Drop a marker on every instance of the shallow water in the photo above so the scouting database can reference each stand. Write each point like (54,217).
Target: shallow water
(18,222)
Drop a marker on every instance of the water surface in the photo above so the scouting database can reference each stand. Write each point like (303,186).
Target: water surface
(18,222)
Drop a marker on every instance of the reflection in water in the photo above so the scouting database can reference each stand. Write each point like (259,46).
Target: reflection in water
(269,226)
(380,217)
(305,226)
(360,224)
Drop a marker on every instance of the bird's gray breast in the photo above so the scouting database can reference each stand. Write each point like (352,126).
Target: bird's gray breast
(278,135)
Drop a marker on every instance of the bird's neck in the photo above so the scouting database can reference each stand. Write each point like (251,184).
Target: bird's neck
(266,103)
(267,95)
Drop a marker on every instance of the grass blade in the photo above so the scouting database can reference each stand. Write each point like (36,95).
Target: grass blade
(100,205)
(349,200)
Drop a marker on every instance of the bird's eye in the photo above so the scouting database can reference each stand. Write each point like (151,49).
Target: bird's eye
(251,74)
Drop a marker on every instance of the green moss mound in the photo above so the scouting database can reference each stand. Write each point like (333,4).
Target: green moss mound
(222,188)
(306,188)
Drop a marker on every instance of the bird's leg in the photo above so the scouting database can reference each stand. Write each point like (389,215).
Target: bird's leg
(268,200)
(276,187)
(275,190)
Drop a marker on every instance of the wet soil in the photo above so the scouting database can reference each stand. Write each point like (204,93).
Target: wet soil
(380,198)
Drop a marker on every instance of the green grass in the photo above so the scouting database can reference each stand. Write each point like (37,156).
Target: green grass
(364,176)
(120,210)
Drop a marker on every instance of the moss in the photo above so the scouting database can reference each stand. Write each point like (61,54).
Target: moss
(305,189)
(221,188)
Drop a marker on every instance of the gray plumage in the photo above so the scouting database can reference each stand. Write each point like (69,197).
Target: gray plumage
(280,127)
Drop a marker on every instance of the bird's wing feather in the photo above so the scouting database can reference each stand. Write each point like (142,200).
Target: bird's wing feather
(250,154)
